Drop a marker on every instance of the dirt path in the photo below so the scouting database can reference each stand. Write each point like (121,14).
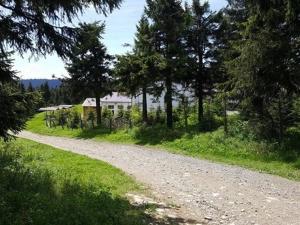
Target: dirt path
(209,192)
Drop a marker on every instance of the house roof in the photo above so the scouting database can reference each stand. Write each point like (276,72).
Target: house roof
(114,98)
(54,108)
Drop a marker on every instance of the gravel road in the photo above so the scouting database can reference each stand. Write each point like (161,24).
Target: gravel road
(209,192)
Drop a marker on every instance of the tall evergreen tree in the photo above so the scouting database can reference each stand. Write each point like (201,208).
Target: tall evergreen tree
(265,71)
(89,66)
(167,17)
(138,71)
(16,106)
(200,37)
(46,93)
(30,87)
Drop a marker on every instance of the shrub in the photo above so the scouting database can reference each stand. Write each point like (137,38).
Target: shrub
(91,118)
(136,115)
(240,128)
(74,119)
(106,113)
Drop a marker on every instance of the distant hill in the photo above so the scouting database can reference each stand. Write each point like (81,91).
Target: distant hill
(53,83)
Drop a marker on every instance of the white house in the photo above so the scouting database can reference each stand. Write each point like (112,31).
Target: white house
(118,101)
(113,102)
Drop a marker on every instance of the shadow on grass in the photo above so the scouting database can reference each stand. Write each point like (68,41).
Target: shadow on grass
(92,133)
(144,135)
(35,197)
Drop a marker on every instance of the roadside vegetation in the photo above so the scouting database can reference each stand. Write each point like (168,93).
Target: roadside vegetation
(238,147)
(44,185)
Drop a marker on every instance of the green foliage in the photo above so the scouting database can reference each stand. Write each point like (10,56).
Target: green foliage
(106,113)
(262,72)
(43,185)
(74,119)
(135,115)
(16,108)
(91,118)
(46,22)
(89,65)
(62,117)
(240,129)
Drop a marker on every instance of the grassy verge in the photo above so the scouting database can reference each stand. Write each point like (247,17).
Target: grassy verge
(261,156)
(44,185)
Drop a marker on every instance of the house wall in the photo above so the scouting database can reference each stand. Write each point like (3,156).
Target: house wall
(86,110)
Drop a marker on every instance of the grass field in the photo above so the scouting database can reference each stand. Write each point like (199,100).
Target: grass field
(41,185)
(261,156)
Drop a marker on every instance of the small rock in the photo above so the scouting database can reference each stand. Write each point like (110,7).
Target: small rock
(208,218)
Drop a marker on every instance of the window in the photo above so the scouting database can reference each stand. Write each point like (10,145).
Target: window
(111,107)
(120,106)
(129,107)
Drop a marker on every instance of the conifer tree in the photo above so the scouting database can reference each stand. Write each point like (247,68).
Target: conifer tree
(89,65)
(168,21)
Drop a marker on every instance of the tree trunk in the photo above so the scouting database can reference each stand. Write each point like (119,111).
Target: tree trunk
(200,87)
(280,120)
(98,110)
(168,99)
(225,116)
(145,112)
(200,107)
(185,106)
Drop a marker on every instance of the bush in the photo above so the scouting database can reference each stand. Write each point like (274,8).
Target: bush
(106,113)
(136,116)
(74,119)
(91,118)
(240,128)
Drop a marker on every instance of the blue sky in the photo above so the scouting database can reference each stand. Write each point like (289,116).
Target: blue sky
(120,29)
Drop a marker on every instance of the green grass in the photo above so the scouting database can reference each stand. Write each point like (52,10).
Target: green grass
(257,155)
(41,185)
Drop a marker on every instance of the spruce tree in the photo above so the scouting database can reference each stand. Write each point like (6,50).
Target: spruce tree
(201,26)
(89,65)
(167,17)
(264,75)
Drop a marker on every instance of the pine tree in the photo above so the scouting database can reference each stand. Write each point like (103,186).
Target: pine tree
(138,71)
(167,17)
(265,70)
(200,30)
(46,93)
(22,88)
(89,65)
(30,87)
(16,106)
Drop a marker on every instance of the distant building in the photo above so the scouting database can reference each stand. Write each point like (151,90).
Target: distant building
(55,108)
(114,102)
(118,101)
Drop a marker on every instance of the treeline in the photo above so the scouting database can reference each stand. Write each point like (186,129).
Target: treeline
(61,95)
(247,55)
